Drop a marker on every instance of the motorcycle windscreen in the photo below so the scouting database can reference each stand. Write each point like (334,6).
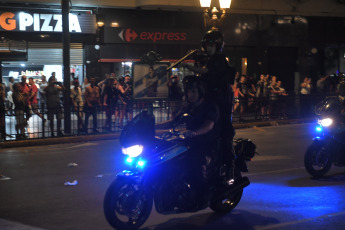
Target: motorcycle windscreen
(140,131)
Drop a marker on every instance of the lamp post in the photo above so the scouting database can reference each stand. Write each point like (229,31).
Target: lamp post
(213,20)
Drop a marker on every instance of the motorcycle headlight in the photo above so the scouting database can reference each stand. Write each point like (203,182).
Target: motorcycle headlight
(133,151)
(325,122)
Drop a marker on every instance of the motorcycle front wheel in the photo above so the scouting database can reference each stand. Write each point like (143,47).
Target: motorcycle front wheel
(228,203)
(317,160)
(127,205)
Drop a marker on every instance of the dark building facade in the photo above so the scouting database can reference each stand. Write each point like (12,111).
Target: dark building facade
(287,46)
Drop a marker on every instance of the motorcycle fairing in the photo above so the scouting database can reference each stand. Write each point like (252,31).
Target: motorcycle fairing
(169,153)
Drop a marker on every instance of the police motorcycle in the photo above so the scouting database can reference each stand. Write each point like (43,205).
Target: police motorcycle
(328,147)
(155,175)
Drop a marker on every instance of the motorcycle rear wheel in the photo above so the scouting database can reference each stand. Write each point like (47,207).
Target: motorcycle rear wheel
(227,204)
(317,160)
(126,205)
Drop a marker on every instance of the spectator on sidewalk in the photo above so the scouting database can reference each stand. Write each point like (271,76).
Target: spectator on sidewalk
(109,94)
(251,92)
(33,99)
(10,83)
(20,102)
(84,85)
(42,95)
(122,89)
(2,112)
(282,101)
(236,97)
(128,98)
(243,95)
(53,104)
(305,92)
(92,103)
(78,103)
(10,104)
(26,90)
(273,99)
(262,94)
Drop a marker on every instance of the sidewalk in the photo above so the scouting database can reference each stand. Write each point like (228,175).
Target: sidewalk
(97,137)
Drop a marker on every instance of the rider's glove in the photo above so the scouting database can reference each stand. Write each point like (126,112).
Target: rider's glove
(189,133)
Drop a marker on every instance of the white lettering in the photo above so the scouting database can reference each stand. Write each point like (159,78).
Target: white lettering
(58,26)
(74,23)
(46,21)
(25,20)
(37,23)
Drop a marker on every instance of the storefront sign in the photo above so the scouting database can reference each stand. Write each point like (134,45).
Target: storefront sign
(130,35)
(43,22)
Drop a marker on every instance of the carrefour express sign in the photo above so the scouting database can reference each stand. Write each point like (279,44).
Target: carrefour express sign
(45,22)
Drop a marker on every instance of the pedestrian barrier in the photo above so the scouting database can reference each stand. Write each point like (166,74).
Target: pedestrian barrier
(109,121)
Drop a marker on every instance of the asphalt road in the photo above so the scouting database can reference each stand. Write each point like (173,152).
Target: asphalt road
(281,195)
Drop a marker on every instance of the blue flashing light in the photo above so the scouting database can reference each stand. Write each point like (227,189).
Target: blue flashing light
(318,129)
(129,160)
(141,163)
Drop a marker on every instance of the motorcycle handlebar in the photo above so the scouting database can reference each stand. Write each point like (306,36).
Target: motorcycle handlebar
(174,133)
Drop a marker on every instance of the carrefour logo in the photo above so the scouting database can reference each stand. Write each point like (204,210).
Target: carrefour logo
(130,35)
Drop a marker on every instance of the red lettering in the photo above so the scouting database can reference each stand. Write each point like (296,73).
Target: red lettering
(183,36)
(150,36)
(158,36)
(143,35)
(170,36)
(161,36)
(164,34)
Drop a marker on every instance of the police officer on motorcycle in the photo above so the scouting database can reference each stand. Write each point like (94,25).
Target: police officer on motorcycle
(201,118)
(218,77)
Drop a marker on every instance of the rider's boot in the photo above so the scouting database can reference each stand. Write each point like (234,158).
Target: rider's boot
(230,175)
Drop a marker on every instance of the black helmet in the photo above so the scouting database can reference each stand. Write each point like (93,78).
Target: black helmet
(191,82)
(213,37)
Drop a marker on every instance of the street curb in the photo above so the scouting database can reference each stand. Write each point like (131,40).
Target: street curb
(113,136)
(273,123)
(58,140)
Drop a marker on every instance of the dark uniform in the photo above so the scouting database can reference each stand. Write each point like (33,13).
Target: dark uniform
(218,79)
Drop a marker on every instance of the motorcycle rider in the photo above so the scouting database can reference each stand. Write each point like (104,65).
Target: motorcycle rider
(218,77)
(201,129)
(203,114)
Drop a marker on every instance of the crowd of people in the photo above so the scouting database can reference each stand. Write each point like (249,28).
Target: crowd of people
(25,98)
(266,95)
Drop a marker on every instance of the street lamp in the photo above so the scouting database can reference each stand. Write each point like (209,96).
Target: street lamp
(214,21)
